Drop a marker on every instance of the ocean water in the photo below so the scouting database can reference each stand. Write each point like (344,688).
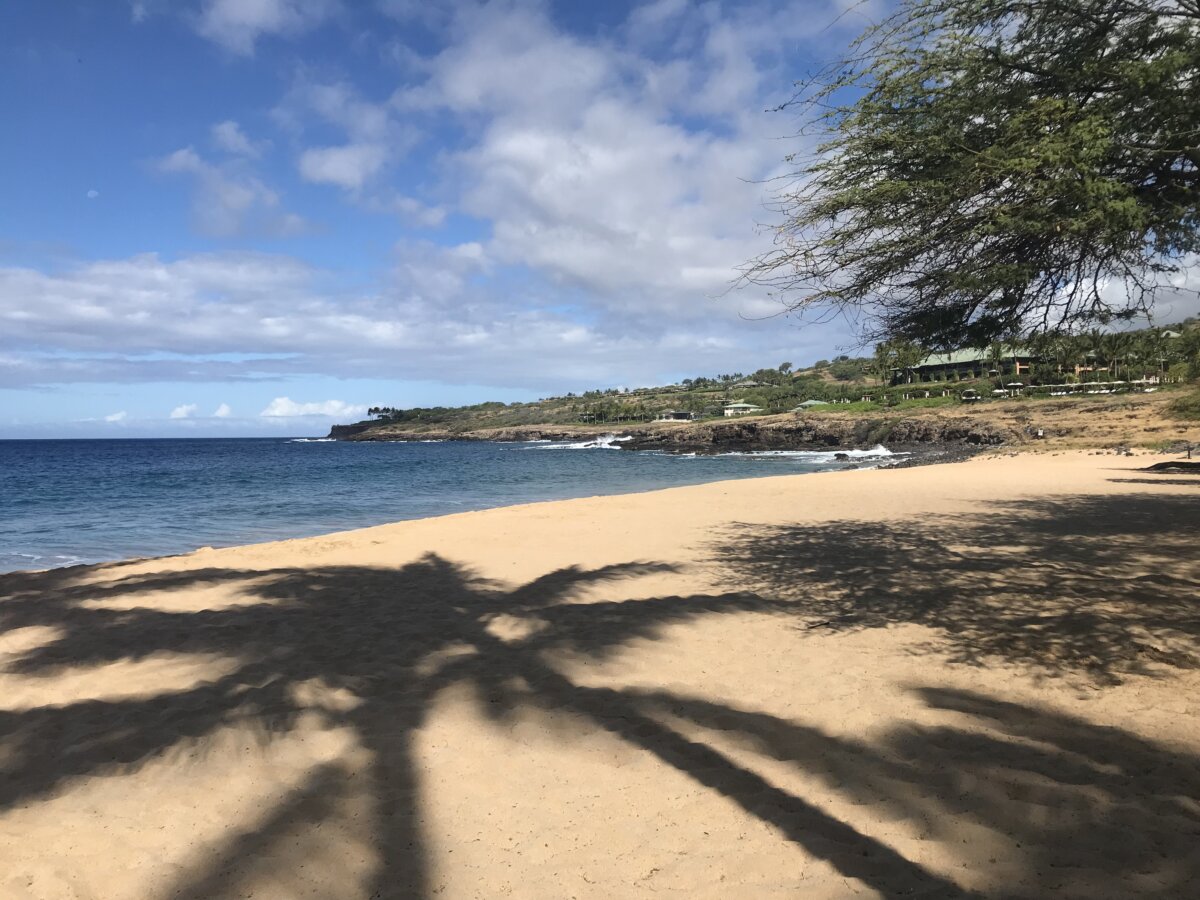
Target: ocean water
(80,501)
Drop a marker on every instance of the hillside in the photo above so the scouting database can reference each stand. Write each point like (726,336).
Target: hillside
(1132,420)
(1121,386)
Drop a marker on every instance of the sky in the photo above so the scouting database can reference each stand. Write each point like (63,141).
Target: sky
(258,217)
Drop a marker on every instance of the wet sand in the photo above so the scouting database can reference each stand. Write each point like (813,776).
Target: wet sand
(972,679)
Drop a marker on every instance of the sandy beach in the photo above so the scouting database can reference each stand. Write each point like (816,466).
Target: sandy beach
(973,679)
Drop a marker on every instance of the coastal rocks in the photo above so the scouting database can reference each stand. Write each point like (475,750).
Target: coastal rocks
(777,433)
(817,433)
(346,432)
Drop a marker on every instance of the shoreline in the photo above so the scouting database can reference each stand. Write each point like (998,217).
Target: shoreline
(903,458)
(920,458)
(980,678)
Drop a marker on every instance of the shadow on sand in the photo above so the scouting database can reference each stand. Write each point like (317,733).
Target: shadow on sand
(1087,587)
(1092,587)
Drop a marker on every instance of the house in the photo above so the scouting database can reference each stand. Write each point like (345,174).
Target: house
(967,364)
(741,409)
(675,415)
(809,404)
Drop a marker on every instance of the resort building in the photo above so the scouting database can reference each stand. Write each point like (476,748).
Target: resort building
(741,409)
(963,364)
(675,415)
(809,404)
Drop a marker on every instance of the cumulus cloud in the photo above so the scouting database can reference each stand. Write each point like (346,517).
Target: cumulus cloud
(610,180)
(374,137)
(185,411)
(438,316)
(634,176)
(117,416)
(228,136)
(348,166)
(286,407)
(222,412)
(228,200)
(238,24)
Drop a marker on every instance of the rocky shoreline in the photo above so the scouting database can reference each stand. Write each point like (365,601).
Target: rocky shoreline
(943,437)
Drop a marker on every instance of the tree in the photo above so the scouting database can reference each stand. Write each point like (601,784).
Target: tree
(984,169)
(895,358)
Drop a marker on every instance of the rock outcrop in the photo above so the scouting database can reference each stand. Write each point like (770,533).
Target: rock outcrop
(821,432)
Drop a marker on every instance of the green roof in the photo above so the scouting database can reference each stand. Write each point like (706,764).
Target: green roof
(966,357)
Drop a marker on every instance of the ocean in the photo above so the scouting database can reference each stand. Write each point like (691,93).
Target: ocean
(82,501)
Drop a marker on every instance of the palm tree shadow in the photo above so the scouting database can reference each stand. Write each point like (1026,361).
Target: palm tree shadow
(390,639)
(1096,588)
(1055,805)
(394,639)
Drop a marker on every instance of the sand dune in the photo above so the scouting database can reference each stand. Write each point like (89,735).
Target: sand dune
(961,680)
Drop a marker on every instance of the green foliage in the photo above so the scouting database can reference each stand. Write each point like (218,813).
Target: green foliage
(990,168)
(845,369)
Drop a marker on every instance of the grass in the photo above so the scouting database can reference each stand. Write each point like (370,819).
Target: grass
(900,405)
(1185,407)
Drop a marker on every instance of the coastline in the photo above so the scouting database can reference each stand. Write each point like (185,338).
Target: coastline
(1062,423)
(873,682)
(114,514)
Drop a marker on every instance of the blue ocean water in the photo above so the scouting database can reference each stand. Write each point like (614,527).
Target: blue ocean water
(75,501)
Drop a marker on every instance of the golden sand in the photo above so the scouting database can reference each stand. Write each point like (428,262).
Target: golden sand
(971,678)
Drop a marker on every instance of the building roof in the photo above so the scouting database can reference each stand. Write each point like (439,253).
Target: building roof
(964,357)
(807,403)
(741,405)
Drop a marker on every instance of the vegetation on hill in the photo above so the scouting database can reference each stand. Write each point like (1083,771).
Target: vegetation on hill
(846,383)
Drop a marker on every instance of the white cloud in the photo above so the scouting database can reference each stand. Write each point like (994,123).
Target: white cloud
(222,412)
(631,176)
(238,24)
(185,411)
(117,416)
(93,194)
(243,317)
(610,177)
(228,136)
(374,137)
(348,166)
(416,212)
(228,200)
(284,406)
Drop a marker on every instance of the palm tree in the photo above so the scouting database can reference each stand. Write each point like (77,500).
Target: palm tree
(1116,346)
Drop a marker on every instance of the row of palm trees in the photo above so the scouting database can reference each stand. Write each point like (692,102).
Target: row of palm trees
(1122,353)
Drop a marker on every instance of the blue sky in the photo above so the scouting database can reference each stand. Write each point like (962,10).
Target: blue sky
(236,217)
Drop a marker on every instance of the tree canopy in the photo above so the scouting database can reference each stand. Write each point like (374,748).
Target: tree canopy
(980,170)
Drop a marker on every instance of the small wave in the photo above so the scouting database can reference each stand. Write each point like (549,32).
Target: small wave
(17,560)
(607,442)
(312,440)
(812,457)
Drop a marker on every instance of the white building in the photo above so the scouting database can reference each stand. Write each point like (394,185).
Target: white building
(741,409)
